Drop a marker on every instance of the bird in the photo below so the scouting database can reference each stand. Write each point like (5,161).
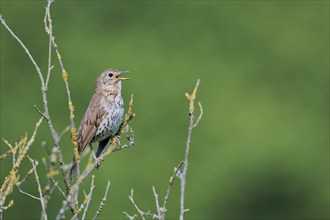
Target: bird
(103,116)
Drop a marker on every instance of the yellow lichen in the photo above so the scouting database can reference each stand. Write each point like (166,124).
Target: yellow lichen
(59,56)
(52,173)
(65,75)
(76,155)
(71,107)
(85,199)
(11,203)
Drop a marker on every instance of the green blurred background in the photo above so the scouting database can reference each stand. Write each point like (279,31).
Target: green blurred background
(261,150)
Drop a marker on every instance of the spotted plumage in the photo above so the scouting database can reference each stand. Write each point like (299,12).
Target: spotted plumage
(103,115)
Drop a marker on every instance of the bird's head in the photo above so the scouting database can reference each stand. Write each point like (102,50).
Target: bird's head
(110,79)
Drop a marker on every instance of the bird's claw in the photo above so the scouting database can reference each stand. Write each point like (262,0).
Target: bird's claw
(117,139)
(98,163)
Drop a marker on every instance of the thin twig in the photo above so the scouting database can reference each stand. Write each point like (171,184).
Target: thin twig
(141,213)
(59,188)
(8,153)
(27,176)
(192,124)
(12,179)
(130,217)
(40,112)
(130,144)
(131,197)
(200,114)
(27,194)
(157,202)
(171,181)
(49,30)
(61,213)
(98,212)
(89,198)
(41,197)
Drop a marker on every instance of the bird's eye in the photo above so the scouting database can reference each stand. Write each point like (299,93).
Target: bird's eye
(110,75)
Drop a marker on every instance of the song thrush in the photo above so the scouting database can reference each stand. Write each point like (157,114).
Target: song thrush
(103,115)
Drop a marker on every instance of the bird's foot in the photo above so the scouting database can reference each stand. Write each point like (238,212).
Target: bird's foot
(117,138)
(98,163)
(97,160)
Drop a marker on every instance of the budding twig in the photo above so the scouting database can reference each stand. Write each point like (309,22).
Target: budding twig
(192,125)
(99,210)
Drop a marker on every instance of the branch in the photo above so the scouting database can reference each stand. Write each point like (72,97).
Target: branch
(86,202)
(59,188)
(27,194)
(192,125)
(131,197)
(44,96)
(41,197)
(40,112)
(12,178)
(49,30)
(157,203)
(89,198)
(130,217)
(171,181)
(98,212)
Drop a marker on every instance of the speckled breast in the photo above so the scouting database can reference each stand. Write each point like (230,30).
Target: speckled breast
(111,120)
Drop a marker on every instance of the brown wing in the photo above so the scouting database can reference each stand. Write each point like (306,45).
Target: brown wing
(90,122)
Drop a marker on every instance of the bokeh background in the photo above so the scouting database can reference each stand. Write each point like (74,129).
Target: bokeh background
(261,150)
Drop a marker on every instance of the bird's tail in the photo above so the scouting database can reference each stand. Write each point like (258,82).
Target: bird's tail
(73,169)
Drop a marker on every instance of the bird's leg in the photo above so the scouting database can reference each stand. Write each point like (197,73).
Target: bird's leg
(101,147)
(95,158)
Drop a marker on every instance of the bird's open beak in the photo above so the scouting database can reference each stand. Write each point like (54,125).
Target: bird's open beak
(121,72)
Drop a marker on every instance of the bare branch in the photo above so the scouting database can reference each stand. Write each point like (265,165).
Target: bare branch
(59,188)
(89,198)
(131,140)
(192,124)
(98,212)
(200,115)
(40,112)
(131,197)
(171,181)
(49,30)
(141,213)
(129,216)
(27,194)
(41,197)
(44,98)
(48,27)
(157,202)
(61,213)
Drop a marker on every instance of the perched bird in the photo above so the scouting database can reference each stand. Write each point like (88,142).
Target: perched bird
(103,115)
